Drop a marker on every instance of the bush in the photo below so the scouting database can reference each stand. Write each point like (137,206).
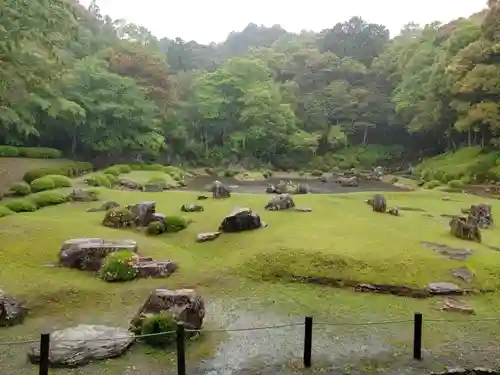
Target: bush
(48,198)
(73,169)
(9,151)
(158,181)
(98,179)
(267,173)
(317,173)
(112,178)
(4,211)
(123,168)
(159,323)
(456,184)
(155,228)
(40,152)
(50,182)
(21,205)
(20,189)
(177,173)
(432,184)
(230,172)
(175,224)
(118,266)
(112,170)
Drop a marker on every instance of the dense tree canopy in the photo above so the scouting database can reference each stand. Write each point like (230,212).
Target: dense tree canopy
(73,79)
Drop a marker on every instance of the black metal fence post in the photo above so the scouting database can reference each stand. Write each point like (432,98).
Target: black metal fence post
(181,352)
(308,341)
(417,337)
(44,353)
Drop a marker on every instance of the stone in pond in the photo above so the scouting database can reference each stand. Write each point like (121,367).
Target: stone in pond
(454,305)
(271,189)
(303,209)
(208,236)
(349,181)
(82,195)
(88,253)
(280,202)
(106,206)
(192,208)
(219,190)
(184,305)
(239,220)
(463,274)
(143,212)
(444,288)
(80,345)
(12,311)
(302,189)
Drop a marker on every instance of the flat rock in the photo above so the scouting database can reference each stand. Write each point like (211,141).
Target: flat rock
(207,236)
(149,268)
(454,305)
(450,252)
(88,253)
(463,274)
(303,209)
(463,371)
(82,195)
(77,346)
(12,310)
(202,197)
(192,208)
(444,288)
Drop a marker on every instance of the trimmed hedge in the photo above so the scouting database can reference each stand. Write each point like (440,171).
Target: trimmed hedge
(20,189)
(50,182)
(21,205)
(4,211)
(73,169)
(48,198)
(175,224)
(30,152)
(99,179)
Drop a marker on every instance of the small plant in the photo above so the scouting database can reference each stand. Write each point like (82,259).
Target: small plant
(156,324)
(175,224)
(113,171)
(112,178)
(432,184)
(455,184)
(155,228)
(230,172)
(158,181)
(123,168)
(21,205)
(98,179)
(48,198)
(20,189)
(4,211)
(267,173)
(302,173)
(119,266)
(394,180)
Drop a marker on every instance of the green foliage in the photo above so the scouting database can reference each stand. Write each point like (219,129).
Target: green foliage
(155,228)
(118,266)
(20,189)
(21,205)
(317,173)
(161,181)
(30,152)
(122,168)
(456,184)
(48,198)
(267,173)
(115,171)
(175,224)
(159,323)
(4,211)
(73,169)
(230,172)
(98,179)
(9,151)
(50,182)
(432,184)
(111,178)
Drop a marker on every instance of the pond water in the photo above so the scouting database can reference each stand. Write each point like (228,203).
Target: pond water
(259,187)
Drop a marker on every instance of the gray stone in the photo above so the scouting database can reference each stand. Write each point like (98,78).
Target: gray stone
(452,253)
(239,220)
(302,189)
(128,184)
(303,209)
(444,288)
(454,305)
(153,187)
(143,212)
(88,253)
(463,274)
(349,181)
(219,190)
(82,195)
(192,208)
(393,211)
(149,268)
(12,311)
(280,202)
(184,305)
(77,346)
(208,236)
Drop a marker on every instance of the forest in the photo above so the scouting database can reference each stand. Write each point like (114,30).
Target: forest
(95,87)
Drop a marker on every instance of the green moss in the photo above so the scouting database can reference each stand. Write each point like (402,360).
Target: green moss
(175,224)
(21,205)
(98,179)
(20,189)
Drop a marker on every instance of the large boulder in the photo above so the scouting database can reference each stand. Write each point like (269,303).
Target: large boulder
(280,202)
(143,212)
(379,204)
(88,253)
(149,268)
(119,218)
(126,184)
(285,187)
(184,305)
(83,195)
(80,345)
(239,220)
(12,311)
(219,190)
(482,215)
(302,189)
(465,229)
(349,181)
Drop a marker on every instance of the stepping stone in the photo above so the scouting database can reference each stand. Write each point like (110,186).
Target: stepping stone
(454,305)
(450,252)
(463,274)
(208,236)
(444,288)
(303,209)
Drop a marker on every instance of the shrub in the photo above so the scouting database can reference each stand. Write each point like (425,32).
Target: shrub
(456,184)
(48,198)
(432,184)
(302,173)
(43,183)
(317,173)
(21,205)
(177,173)
(159,323)
(155,228)
(123,168)
(267,173)
(118,266)
(112,178)
(112,170)
(9,151)
(60,181)
(98,179)
(20,189)
(175,224)
(158,181)
(73,169)
(40,152)
(4,211)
